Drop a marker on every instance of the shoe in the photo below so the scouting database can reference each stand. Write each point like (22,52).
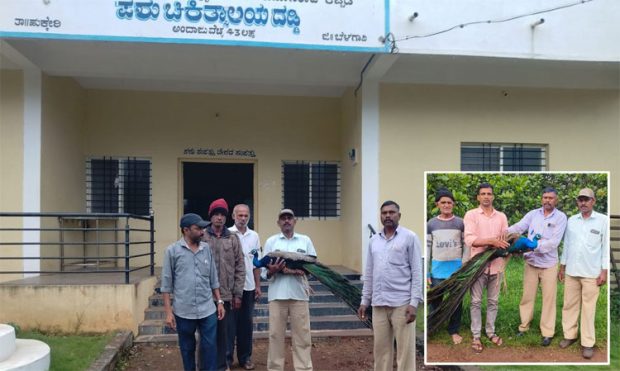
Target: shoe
(565,343)
(587,352)
(520,334)
(546,341)
(248,366)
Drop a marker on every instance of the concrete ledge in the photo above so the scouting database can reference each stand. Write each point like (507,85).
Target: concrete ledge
(107,360)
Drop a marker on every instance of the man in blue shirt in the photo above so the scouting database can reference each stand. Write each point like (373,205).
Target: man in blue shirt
(189,273)
(541,265)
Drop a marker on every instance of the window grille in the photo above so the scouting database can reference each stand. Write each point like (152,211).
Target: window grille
(503,157)
(118,185)
(311,189)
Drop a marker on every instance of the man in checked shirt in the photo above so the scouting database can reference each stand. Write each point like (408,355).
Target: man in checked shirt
(541,265)
(393,284)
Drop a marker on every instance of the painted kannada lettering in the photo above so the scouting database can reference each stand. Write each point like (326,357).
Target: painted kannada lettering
(341,3)
(46,23)
(347,37)
(210,14)
(226,152)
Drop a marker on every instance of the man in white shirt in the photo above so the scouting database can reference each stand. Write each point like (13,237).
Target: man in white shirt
(288,296)
(583,269)
(243,318)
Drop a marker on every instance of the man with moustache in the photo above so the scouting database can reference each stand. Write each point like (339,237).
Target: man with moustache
(484,228)
(583,269)
(243,321)
(541,265)
(230,263)
(288,297)
(393,282)
(189,273)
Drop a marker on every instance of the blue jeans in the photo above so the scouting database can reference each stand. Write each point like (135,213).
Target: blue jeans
(455,320)
(186,329)
(241,329)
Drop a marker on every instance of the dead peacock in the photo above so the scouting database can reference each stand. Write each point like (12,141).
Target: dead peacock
(335,282)
(453,289)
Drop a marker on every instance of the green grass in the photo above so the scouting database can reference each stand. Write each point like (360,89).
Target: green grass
(507,322)
(70,352)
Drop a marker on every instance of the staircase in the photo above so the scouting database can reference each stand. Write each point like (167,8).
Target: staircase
(22,354)
(329,316)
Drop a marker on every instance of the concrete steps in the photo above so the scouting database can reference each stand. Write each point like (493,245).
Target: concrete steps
(329,316)
(22,354)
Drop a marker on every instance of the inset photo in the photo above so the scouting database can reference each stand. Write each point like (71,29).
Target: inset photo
(517,268)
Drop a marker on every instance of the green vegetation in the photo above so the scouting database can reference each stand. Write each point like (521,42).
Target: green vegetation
(516,194)
(508,319)
(69,352)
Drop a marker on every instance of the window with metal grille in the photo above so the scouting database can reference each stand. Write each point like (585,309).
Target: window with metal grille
(311,189)
(118,185)
(503,157)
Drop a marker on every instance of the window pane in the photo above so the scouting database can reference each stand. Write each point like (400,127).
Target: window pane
(519,158)
(137,186)
(325,192)
(296,179)
(480,158)
(103,195)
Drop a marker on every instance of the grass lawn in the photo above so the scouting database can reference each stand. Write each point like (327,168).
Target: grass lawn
(70,352)
(507,322)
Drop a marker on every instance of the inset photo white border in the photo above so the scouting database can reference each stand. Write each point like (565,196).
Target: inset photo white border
(464,192)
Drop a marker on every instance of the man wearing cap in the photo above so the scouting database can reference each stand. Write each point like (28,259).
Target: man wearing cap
(288,297)
(445,252)
(228,255)
(251,291)
(393,281)
(583,269)
(190,274)
(485,228)
(541,265)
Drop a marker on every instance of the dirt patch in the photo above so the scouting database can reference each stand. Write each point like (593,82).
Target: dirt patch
(346,353)
(462,353)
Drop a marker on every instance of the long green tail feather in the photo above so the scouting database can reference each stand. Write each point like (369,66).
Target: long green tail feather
(340,286)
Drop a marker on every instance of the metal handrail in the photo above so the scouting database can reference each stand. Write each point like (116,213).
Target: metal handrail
(122,236)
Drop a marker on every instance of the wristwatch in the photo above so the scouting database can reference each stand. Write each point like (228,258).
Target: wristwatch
(220,301)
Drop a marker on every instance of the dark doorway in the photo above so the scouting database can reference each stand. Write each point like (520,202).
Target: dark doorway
(204,182)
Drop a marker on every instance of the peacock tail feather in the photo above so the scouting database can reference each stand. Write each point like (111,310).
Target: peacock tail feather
(453,289)
(339,286)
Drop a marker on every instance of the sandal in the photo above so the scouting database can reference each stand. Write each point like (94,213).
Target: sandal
(476,345)
(496,340)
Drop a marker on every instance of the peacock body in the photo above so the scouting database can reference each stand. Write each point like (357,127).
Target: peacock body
(453,289)
(334,281)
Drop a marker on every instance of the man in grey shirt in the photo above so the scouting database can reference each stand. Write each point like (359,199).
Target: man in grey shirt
(393,286)
(189,273)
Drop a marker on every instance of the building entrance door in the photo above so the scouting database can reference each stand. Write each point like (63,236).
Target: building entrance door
(204,182)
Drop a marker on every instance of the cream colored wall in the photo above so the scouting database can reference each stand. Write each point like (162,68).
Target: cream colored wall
(161,125)
(351,197)
(422,128)
(62,160)
(11,165)
(83,308)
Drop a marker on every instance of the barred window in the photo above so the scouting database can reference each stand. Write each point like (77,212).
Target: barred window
(118,185)
(503,157)
(311,189)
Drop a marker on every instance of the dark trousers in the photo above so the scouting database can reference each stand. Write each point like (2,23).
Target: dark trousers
(455,320)
(242,329)
(186,329)
(224,331)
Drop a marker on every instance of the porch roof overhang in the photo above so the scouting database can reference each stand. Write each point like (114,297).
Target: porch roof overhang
(273,71)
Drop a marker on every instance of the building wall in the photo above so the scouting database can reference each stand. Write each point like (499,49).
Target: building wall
(351,180)
(11,165)
(422,128)
(62,160)
(566,34)
(161,125)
